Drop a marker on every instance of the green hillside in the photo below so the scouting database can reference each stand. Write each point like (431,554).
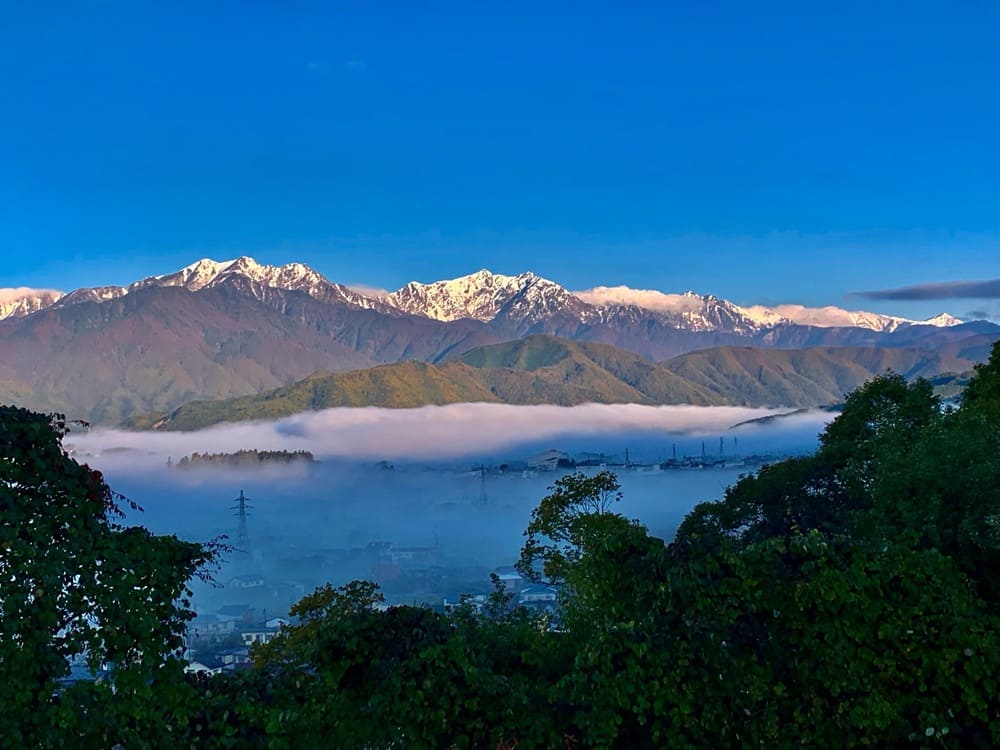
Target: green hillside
(537,370)
(803,377)
(550,370)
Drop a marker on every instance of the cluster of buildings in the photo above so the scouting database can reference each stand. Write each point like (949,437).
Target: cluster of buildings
(557,460)
(220,641)
(539,596)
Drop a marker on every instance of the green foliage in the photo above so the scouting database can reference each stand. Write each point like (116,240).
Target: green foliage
(982,395)
(75,583)
(353,675)
(570,517)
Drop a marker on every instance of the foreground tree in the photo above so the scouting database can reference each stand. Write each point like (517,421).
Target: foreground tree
(570,516)
(77,584)
(352,674)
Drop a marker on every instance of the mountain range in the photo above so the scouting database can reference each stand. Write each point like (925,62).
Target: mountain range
(549,370)
(226,329)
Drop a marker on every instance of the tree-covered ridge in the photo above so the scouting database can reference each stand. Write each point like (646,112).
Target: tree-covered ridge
(844,599)
(552,370)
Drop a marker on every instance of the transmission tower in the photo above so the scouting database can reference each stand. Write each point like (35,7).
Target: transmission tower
(241,505)
(482,486)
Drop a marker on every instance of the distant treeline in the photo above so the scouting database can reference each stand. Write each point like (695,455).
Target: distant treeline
(244,458)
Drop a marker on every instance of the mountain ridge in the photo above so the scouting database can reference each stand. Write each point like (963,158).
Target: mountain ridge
(232,328)
(549,370)
(483,296)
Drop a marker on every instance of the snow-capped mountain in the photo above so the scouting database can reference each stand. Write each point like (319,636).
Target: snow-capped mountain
(206,273)
(217,329)
(250,276)
(689,311)
(487,297)
(942,320)
(527,300)
(525,303)
(697,312)
(22,300)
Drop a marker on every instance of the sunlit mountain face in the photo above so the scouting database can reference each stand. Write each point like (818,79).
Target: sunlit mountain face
(221,329)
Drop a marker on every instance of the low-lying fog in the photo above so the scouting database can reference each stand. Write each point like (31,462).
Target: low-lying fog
(397,495)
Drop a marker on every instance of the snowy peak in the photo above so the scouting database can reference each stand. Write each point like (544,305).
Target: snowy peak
(699,312)
(246,274)
(196,276)
(942,320)
(253,277)
(206,273)
(836,317)
(95,294)
(485,296)
(22,300)
(688,311)
(525,303)
(292,276)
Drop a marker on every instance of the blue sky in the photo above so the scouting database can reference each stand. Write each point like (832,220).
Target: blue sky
(760,151)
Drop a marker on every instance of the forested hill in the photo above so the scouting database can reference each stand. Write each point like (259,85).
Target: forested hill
(551,370)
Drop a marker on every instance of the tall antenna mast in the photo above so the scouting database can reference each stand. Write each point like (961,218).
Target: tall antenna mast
(482,486)
(241,505)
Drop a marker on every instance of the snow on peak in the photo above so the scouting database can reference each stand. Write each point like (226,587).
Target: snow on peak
(206,273)
(706,312)
(20,301)
(289,276)
(942,320)
(524,299)
(479,295)
(834,317)
(487,296)
(687,311)
(196,276)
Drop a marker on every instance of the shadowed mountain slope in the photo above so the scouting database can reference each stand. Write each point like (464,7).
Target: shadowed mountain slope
(545,369)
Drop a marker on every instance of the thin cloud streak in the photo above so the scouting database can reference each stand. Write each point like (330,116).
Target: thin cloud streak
(985,289)
(427,433)
(374,292)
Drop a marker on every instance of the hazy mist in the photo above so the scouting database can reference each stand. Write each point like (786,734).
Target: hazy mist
(412,478)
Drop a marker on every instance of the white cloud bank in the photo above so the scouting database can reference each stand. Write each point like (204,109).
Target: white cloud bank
(649,299)
(431,432)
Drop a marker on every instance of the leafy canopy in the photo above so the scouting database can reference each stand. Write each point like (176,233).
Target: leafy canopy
(75,583)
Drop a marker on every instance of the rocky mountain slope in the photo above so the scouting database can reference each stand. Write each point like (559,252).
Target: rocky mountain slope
(221,329)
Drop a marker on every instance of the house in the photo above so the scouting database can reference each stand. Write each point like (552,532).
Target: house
(510,578)
(258,635)
(538,594)
(476,602)
(246,582)
(235,656)
(211,624)
(413,555)
(276,623)
(196,667)
(550,460)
